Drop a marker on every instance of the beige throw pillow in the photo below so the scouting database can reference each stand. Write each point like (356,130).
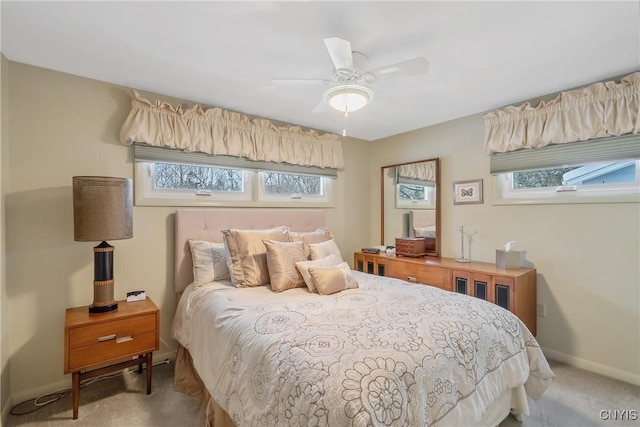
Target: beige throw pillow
(329,280)
(281,260)
(322,234)
(324,249)
(209,262)
(249,255)
(303,267)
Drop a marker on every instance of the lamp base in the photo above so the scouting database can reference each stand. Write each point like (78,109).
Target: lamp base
(103,308)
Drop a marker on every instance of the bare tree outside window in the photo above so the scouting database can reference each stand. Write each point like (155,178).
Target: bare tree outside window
(176,176)
(287,183)
(411,192)
(540,178)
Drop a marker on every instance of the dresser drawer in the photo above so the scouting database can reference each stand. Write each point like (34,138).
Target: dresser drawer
(110,350)
(439,277)
(95,333)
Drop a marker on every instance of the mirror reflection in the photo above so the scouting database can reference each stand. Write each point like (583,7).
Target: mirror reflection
(410,205)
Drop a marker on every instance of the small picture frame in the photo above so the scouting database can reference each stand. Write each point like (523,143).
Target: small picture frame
(467,192)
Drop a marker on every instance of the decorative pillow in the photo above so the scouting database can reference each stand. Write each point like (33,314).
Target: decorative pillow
(425,231)
(281,260)
(303,268)
(209,262)
(329,280)
(323,249)
(322,234)
(249,255)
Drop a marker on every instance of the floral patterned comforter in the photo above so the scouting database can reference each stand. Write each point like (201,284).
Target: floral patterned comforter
(387,353)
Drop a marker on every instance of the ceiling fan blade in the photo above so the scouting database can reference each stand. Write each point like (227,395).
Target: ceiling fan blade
(411,67)
(340,52)
(285,82)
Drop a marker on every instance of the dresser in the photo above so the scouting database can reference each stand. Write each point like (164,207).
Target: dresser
(513,289)
(96,343)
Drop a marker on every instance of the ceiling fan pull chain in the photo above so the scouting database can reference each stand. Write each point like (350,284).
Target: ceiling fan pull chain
(344,123)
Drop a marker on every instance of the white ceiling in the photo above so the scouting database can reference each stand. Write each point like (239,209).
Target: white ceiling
(482,54)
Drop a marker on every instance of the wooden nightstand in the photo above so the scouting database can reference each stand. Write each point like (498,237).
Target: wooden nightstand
(94,342)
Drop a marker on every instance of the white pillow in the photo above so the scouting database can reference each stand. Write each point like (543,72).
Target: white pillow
(324,249)
(330,280)
(209,262)
(303,268)
(429,231)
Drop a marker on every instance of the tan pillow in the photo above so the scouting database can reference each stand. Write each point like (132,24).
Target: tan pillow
(281,260)
(209,262)
(329,280)
(322,234)
(303,268)
(324,249)
(249,255)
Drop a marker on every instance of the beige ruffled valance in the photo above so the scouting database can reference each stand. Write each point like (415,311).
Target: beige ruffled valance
(423,171)
(221,132)
(599,110)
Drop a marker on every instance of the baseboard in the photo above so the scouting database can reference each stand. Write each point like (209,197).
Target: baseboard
(32,393)
(590,366)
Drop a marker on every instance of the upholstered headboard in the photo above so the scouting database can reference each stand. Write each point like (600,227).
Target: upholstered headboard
(207,224)
(421,218)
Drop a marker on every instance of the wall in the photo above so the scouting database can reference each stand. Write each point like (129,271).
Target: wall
(586,255)
(5,376)
(62,126)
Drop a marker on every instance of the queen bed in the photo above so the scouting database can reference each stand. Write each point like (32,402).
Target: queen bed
(381,352)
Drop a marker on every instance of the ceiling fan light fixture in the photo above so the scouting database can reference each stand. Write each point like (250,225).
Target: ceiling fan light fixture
(348,98)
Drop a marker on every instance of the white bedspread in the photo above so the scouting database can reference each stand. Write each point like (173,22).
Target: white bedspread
(388,353)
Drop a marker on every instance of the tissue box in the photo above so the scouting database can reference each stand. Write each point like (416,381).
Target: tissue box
(507,259)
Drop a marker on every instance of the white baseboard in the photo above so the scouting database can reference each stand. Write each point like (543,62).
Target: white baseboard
(32,393)
(590,366)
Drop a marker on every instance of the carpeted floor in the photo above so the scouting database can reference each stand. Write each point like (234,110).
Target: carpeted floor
(575,399)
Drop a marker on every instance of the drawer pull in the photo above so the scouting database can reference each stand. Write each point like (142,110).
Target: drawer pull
(107,338)
(412,279)
(124,339)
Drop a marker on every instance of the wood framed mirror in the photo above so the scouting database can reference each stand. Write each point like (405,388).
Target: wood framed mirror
(410,202)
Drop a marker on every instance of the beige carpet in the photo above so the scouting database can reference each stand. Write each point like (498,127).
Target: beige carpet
(576,398)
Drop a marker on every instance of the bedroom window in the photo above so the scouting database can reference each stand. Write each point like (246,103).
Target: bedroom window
(587,183)
(289,186)
(604,170)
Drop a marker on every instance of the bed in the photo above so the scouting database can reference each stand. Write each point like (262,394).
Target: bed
(385,353)
(422,224)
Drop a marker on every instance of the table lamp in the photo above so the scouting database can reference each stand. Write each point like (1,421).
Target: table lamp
(102,210)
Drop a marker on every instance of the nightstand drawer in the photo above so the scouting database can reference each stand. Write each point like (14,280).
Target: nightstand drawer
(113,349)
(94,334)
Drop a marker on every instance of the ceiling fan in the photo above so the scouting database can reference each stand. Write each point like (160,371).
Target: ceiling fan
(348,92)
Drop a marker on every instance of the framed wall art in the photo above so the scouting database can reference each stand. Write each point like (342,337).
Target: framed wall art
(467,192)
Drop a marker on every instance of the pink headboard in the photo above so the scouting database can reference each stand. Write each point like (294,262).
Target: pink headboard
(207,224)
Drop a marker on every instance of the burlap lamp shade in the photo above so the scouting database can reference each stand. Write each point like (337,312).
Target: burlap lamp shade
(102,210)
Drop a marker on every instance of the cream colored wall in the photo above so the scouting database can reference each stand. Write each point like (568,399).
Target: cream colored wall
(61,126)
(5,376)
(586,255)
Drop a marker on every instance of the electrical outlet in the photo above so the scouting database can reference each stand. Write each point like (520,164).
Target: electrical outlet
(541,310)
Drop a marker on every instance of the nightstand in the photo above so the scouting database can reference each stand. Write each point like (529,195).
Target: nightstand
(95,342)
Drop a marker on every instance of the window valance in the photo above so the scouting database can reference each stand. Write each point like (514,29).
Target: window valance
(221,132)
(423,173)
(599,110)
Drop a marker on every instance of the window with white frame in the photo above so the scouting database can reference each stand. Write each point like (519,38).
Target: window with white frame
(592,172)
(163,179)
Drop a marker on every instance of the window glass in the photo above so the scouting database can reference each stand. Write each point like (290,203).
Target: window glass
(172,184)
(595,182)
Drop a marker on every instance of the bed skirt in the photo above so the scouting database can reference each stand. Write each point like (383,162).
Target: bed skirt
(187,381)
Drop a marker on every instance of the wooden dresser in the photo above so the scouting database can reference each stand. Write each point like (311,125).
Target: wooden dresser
(513,289)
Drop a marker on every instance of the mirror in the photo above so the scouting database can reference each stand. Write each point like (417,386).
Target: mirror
(410,202)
